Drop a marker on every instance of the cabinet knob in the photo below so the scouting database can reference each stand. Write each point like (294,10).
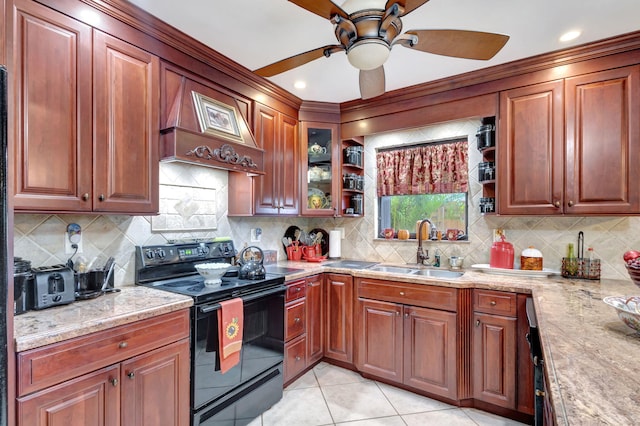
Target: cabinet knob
(406,314)
(85,196)
(540,393)
(114,382)
(402,293)
(477,323)
(131,375)
(397,313)
(123,345)
(298,289)
(570,203)
(101,197)
(492,303)
(296,320)
(298,358)
(557,204)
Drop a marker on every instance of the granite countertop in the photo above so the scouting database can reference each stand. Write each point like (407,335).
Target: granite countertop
(592,358)
(133,303)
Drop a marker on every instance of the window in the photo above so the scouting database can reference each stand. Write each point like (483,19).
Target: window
(424,181)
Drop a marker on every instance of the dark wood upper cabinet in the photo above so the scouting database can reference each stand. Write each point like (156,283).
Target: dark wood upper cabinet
(570,146)
(87,119)
(52,107)
(126,127)
(603,142)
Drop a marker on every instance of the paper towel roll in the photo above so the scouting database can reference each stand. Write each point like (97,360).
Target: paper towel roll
(335,244)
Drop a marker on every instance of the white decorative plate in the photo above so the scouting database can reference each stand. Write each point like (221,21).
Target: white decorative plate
(484,267)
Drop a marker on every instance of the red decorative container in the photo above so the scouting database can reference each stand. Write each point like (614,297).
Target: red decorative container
(501,255)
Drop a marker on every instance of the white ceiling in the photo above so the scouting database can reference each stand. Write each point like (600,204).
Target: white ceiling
(256,33)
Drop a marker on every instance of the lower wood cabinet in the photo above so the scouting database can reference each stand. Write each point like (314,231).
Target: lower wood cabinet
(135,382)
(502,370)
(407,344)
(338,339)
(295,331)
(315,318)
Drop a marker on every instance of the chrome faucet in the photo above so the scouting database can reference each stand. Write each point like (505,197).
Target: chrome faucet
(421,255)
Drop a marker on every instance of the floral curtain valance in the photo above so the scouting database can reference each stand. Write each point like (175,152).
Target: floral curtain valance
(440,168)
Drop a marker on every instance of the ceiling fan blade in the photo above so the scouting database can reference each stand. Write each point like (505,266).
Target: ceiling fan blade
(372,82)
(296,60)
(409,5)
(459,43)
(325,8)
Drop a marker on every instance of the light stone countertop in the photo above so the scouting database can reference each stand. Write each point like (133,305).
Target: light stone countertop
(133,303)
(592,358)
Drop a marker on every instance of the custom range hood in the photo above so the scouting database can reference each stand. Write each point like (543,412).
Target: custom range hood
(205,126)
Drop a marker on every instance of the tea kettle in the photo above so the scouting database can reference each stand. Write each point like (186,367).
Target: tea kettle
(250,260)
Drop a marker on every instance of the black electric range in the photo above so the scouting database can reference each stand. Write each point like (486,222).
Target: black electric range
(256,383)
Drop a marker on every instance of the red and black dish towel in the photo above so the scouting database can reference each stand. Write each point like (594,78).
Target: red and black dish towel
(230,323)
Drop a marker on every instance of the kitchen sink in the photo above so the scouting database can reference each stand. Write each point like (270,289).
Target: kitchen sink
(437,273)
(434,273)
(393,269)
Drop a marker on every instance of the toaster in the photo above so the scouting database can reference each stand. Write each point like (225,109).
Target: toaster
(53,285)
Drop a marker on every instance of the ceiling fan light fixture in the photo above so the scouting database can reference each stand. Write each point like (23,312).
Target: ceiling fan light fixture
(351,6)
(368,54)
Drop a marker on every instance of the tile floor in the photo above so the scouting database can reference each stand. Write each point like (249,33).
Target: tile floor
(329,395)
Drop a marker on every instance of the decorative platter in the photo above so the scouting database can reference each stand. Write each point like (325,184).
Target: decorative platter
(484,267)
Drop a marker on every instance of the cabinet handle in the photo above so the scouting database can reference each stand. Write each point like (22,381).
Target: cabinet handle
(570,203)
(85,196)
(492,303)
(114,382)
(477,323)
(298,358)
(557,204)
(123,345)
(131,375)
(296,320)
(101,197)
(402,293)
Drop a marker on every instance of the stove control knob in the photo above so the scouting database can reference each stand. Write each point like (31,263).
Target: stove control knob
(205,250)
(161,253)
(150,254)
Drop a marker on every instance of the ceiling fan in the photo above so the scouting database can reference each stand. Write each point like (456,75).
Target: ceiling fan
(368,29)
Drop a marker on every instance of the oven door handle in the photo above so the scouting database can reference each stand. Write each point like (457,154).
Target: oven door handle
(210,308)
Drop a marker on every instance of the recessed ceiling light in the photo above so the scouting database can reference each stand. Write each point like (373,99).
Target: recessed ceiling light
(299,84)
(570,35)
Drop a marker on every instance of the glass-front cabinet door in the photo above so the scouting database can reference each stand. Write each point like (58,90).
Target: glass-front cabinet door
(320,169)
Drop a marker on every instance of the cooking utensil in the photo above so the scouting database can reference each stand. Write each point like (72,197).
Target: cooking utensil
(580,245)
(251,263)
(111,263)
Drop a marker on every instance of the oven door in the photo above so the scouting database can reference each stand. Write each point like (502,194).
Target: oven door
(262,347)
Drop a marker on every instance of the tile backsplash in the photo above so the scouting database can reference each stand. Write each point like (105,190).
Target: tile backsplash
(40,238)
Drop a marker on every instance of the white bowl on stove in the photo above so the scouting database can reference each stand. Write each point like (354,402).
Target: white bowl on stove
(212,272)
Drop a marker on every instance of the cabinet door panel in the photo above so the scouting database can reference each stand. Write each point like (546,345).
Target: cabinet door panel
(52,144)
(155,387)
(430,350)
(379,334)
(339,317)
(494,359)
(290,175)
(266,133)
(530,150)
(315,318)
(126,90)
(89,400)
(602,149)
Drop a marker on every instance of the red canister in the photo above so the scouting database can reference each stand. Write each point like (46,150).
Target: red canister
(501,254)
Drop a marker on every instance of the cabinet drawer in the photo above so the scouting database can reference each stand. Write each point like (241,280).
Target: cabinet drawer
(426,296)
(495,302)
(295,357)
(295,290)
(42,367)
(295,319)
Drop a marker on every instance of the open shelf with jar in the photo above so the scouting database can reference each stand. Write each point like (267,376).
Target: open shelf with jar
(353,177)
(486,144)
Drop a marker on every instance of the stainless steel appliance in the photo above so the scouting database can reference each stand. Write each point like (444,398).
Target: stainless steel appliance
(53,286)
(256,382)
(538,363)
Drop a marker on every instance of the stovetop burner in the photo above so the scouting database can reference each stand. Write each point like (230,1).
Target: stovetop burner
(171,267)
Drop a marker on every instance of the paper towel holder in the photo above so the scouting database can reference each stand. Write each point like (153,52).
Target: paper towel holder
(335,244)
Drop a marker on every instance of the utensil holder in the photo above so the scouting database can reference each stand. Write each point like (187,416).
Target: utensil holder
(581,268)
(294,253)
